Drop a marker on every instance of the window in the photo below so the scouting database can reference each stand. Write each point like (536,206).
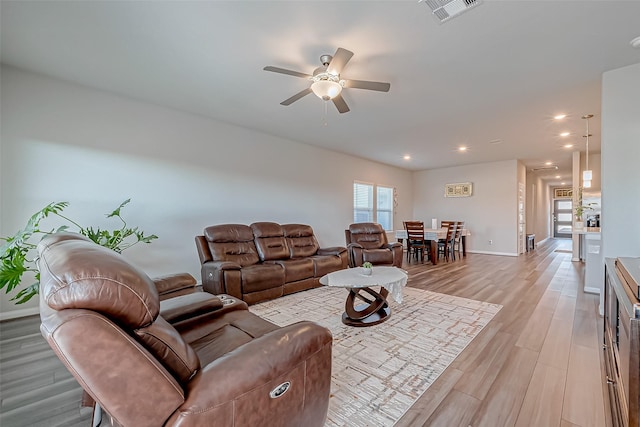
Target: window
(365,197)
(362,202)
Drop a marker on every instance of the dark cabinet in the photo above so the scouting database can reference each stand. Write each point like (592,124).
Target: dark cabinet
(622,339)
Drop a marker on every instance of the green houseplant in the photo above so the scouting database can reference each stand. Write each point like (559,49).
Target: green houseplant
(18,251)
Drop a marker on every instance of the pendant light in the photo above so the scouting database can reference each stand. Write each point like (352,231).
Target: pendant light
(587,174)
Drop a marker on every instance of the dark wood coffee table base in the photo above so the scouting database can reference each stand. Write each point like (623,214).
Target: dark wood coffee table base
(375,309)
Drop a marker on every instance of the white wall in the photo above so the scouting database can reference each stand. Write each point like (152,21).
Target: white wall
(521,242)
(490,213)
(539,196)
(621,162)
(183,172)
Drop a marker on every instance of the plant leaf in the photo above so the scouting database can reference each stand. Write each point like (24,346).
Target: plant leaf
(117,211)
(27,293)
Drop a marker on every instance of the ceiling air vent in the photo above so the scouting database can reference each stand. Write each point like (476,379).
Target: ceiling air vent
(447,9)
(545,168)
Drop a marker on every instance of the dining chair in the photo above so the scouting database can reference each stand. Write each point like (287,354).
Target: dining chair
(416,244)
(445,246)
(457,240)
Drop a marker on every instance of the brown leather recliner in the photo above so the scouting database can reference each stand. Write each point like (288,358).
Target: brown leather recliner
(228,367)
(367,242)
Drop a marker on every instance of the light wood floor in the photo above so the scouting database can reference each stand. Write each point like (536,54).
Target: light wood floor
(537,363)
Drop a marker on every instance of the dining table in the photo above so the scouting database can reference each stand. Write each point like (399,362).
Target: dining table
(432,235)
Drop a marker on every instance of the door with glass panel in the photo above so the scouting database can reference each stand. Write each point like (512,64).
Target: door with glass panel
(562,218)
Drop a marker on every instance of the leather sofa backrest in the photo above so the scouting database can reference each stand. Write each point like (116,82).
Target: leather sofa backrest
(368,234)
(76,273)
(300,240)
(270,241)
(232,242)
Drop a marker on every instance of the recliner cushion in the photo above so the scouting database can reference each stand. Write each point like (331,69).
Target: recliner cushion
(99,279)
(296,269)
(166,344)
(270,241)
(300,240)
(378,256)
(261,276)
(325,264)
(368,235)
(232,242)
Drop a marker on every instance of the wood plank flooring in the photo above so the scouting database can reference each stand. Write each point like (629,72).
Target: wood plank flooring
(537,364)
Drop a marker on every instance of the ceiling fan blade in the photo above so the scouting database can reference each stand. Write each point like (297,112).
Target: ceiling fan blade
(285,71)
(340,59)
(297,96)
(363,84)
(340,104)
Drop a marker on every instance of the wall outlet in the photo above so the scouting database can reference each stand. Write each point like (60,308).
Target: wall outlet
(491,242)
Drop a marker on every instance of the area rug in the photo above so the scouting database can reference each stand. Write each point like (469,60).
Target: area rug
(380,371)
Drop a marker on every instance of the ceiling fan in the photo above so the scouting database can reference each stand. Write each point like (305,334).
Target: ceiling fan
(326,82)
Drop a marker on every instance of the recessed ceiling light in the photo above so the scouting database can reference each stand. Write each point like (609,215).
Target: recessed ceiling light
(568,145)
(636,42)
(563,183)
(565,134)
(462,148)
(557,176)
(548,163)
(407,157)
(560,116)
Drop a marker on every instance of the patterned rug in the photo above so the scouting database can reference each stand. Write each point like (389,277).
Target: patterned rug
(380,371)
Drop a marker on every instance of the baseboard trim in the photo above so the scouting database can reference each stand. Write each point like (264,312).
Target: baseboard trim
(542,241)
(590,290)
(23,312)
(492,253)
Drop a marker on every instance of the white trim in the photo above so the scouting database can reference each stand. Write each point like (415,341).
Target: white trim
(542,241)
(492,253)
(23,312)
(591,290)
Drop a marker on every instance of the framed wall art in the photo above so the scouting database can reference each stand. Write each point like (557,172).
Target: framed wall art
(458,189)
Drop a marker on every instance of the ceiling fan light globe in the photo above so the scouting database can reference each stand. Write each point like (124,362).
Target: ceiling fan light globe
(326,89)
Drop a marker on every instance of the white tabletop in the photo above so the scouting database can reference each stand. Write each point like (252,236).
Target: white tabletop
(391,278)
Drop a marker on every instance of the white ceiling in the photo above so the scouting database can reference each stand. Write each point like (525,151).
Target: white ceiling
(499,71)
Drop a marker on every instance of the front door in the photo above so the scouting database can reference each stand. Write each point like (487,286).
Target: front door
(562,218)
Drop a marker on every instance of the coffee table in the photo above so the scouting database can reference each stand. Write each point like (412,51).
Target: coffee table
(375,308)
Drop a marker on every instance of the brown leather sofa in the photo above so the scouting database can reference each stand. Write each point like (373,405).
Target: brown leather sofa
(367,242)
(265,260)
(223,367)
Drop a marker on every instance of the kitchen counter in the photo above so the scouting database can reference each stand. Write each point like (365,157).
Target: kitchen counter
(587,230)
(590,252)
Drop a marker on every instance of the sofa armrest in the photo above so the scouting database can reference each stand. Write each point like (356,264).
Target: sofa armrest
(355,254)
(397,250)
(393,245)
(334,250)
(221,277)
(168,284)
(299,354)
(189,306)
